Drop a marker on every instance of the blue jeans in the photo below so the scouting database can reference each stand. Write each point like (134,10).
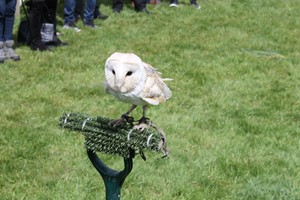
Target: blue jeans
(69,10)
(7,18)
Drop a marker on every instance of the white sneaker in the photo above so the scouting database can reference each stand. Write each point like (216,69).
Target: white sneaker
(196,5)
(71,26)
(9,52)
(174,4)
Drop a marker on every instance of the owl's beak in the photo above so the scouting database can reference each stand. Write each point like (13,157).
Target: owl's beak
(119,84)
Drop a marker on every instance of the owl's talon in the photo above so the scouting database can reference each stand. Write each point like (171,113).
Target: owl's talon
(124,118)
(141,127)
(144,120)
(127,118)
(143,123)
(165,155)
(117,122)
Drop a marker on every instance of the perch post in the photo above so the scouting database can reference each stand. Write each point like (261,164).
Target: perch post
(113,179)
(124,141)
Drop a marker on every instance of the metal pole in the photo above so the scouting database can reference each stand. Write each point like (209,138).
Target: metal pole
(113,179)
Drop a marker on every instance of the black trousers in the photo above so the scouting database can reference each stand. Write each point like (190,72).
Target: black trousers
(139,5)
(41,11)
(79,9)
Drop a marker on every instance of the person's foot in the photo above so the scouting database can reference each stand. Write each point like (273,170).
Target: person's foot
(77,17)
(55,43)
(174,4)
(58,42)
(9,51)
(71,25)
(117,11)
(89,24)
(195,4)
(144,10)
(38,46)
(101,17)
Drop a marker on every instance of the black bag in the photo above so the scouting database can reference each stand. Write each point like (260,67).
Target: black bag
(24,35)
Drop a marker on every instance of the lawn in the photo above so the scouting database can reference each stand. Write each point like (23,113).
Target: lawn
(232,123)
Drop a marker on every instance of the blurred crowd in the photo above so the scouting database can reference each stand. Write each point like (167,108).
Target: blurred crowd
(39,28)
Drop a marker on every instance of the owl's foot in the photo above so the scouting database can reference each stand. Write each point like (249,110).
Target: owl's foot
(163,143)
(144,120)
(141,127)
(143,123)
(124,118)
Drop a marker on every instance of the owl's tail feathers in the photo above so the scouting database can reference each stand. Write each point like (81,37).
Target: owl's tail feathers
(167,92)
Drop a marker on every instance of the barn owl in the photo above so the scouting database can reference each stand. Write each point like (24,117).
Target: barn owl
(132,81)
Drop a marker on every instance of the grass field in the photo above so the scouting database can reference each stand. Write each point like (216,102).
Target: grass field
(232,123)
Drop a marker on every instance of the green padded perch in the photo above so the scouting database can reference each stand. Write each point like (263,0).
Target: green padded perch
(100,137)
(123,140)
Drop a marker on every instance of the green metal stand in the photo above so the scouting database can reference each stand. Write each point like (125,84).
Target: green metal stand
(113,179)
(123,141)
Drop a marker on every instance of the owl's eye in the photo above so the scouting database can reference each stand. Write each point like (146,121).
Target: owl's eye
(113,71)
(129,73)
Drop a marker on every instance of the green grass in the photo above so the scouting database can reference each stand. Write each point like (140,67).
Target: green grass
(232,123)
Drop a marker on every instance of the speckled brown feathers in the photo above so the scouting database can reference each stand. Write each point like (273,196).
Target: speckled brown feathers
(155,90)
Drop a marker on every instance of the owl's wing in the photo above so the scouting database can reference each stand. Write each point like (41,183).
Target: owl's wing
(155,90)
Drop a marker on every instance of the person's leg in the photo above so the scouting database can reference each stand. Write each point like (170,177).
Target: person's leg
(117,5)
(10,9)
(50,11)
(2,18)
(8,30)
(140,6)
(52,5)
(78,9)
(69,8)
(89,12)
(35,24)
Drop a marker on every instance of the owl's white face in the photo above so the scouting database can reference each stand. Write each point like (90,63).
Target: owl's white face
(124,72)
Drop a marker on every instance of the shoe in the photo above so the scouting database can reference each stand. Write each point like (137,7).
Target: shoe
(117,11)
(195,4)
(59,43)
(9,52)
(89,24)
(71,26)
(56,43)
(77,17)
(2,54)
(38,45)
(144,10)
(101,17)
(174,4)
